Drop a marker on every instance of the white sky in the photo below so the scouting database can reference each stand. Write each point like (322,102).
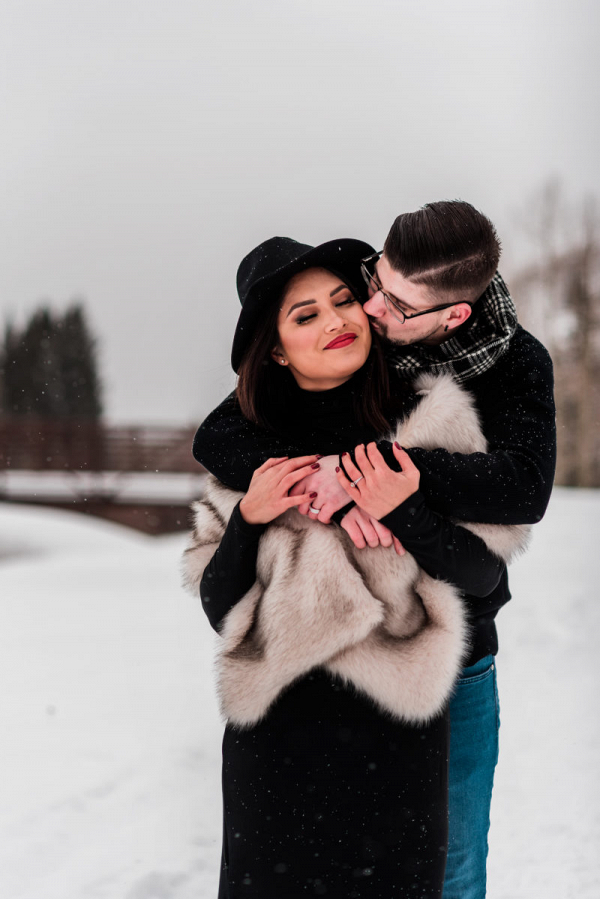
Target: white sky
(147,145)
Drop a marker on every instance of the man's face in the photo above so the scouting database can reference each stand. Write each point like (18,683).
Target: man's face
(410,298)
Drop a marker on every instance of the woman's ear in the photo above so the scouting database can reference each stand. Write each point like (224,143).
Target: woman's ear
(277,355)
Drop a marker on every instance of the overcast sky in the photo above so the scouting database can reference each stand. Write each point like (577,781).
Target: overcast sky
(147,145)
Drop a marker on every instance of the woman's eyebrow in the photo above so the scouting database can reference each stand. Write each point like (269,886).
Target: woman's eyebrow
(296,305)
(307,302)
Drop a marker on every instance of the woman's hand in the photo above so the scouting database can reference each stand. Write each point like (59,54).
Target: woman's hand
(379,489)
(267,495)
(364,530)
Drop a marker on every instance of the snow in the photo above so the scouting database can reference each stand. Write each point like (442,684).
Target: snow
(121,486)
(111,738)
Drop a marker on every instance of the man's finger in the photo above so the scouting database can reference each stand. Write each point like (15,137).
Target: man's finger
(384,534)
(369,532)
(354,532)
(398,547)
(325,512)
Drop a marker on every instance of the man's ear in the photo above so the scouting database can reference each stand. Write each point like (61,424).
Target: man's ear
(457,315)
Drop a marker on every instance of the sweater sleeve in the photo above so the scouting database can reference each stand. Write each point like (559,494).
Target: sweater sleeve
(445,550)
(232,569)
(512,482)
(232,448)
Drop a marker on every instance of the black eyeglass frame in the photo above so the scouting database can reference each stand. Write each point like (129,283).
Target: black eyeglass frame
(390,304)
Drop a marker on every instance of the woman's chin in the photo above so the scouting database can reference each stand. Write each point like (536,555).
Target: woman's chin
(343,372)
(329,370)
(354,359)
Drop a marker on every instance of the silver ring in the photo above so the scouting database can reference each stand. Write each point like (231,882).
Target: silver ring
(316,511)
(354,483)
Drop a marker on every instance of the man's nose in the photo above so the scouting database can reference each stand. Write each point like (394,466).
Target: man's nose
(375,305)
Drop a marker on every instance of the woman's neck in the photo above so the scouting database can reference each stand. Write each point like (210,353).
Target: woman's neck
(313,385)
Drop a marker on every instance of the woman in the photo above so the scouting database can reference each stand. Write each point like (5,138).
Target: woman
(336,664)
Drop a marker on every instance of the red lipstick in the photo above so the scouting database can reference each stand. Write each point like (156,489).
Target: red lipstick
(340,341)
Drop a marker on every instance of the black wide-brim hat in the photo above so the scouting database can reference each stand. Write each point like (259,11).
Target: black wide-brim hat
(264,272)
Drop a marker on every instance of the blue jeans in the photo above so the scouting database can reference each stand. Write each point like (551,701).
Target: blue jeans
(474,724)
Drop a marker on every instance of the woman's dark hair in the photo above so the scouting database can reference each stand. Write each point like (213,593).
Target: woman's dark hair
(449,246)
(263,386)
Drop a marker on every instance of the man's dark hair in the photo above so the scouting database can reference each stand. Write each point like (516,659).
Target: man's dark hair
(449,246)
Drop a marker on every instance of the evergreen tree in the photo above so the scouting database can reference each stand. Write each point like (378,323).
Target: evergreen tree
(79,380)
(49,368)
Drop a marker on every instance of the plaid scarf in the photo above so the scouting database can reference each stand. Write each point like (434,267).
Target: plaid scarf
(478,344)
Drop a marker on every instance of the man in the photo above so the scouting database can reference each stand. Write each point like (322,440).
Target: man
(436,300)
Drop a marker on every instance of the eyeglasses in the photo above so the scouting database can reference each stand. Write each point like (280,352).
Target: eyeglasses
(367,269)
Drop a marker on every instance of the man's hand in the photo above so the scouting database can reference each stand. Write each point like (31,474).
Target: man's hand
(330,495)
(364,530)
(374,486)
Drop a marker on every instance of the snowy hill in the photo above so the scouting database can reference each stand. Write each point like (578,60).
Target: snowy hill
(111,739)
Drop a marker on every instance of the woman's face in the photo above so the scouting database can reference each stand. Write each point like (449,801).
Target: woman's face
(324,335)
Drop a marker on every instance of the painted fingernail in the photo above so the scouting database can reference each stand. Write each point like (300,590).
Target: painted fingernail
(313,495)
(345,454)
(337,468)
(397,445)
(319,456)
(315,465)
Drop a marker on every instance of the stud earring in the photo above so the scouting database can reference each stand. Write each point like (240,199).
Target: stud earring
(282,361)
(446,328)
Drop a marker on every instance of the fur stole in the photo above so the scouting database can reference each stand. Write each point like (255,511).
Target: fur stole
(371,617)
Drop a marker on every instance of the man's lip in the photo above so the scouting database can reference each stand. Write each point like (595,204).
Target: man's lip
(342,340)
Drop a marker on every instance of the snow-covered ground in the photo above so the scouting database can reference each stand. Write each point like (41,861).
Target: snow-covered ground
(110,738)
(120,486)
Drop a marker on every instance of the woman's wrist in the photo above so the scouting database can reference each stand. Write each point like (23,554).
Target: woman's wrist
(243,524)
(249,513)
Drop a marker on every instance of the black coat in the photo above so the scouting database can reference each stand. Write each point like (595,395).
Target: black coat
(328,795)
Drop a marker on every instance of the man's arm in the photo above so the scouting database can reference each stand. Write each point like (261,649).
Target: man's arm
(512,482)
(232,448)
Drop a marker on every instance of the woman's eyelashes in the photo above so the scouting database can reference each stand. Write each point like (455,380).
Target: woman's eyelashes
(302,319)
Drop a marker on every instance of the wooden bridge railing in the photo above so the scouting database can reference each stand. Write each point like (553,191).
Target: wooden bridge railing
(43,444)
